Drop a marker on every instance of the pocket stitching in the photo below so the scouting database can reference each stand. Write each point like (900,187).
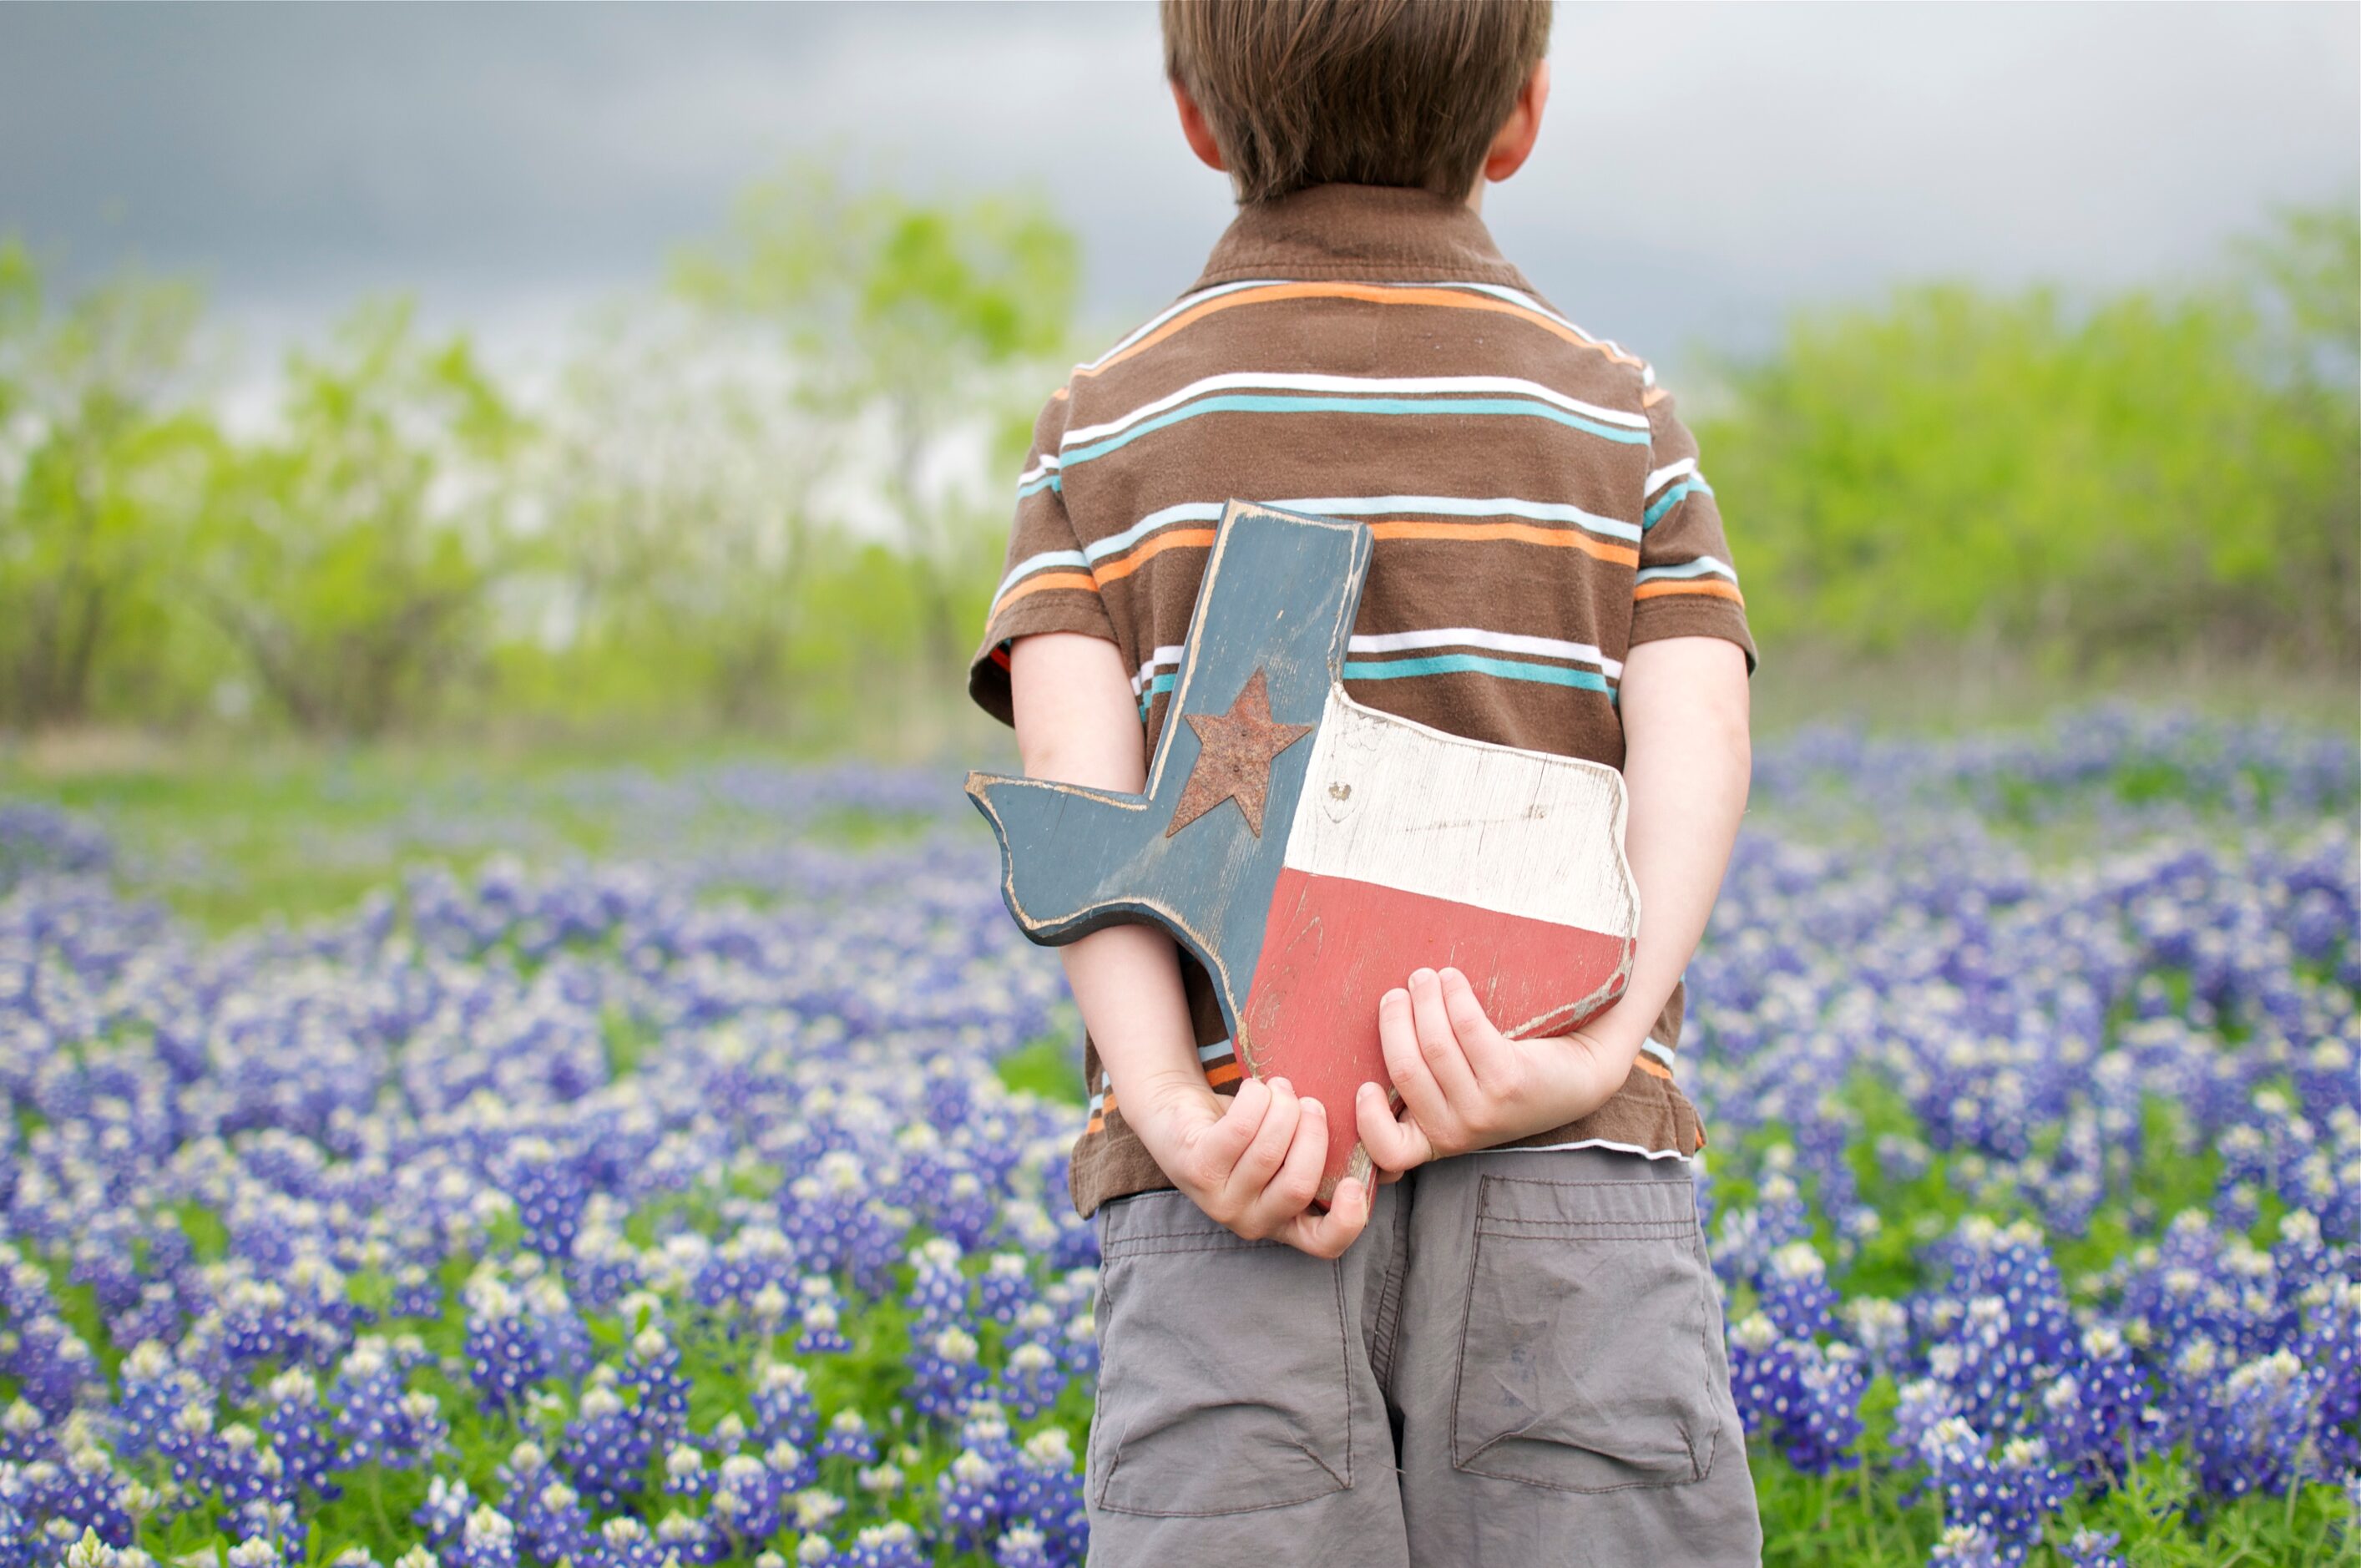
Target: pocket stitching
(1466,1316)
(1343,1483)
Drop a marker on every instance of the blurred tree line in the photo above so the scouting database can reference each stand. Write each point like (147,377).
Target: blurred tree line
(741,507)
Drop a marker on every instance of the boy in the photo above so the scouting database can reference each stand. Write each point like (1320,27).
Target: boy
(1513,1355)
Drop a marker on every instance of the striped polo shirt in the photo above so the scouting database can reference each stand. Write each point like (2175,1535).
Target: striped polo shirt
(1365,352)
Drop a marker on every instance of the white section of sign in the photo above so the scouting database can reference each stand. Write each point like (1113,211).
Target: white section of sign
(1391,801)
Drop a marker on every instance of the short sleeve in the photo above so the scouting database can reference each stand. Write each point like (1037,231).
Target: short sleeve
(1046,582)
(1686,584)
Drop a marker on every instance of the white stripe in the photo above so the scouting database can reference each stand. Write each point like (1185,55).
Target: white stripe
(1359,385)
(1591,1143)
(1048,464)
(1462,506)
(1657,1049)
(1666,474)
(1393,801)
(1166,314)
(1475,637)
(1032,564)
(1168,655)
(1704,565)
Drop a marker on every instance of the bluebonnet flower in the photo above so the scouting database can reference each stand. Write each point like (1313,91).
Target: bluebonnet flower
(751,1498)
(1793,1290)
(505,1351)
(488,1540)
(625,1543)
(1023,1547)
(945,1372)
(822,1312)
(606,1448)
(891,1545)
(783,1404)
(443,1514)
(848,1437)
(1804,1396)
(300,1433)
(651,1370)
(1967,1546)
(2092,1548)
(378,1420)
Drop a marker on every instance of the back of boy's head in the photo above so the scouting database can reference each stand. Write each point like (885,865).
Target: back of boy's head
(1302,92)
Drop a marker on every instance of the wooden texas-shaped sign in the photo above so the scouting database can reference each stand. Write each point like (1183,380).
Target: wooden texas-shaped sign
(1311,852)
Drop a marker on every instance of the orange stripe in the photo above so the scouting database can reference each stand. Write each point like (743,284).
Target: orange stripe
(1646,1063)
(1147,550)
(1046,580)
(1225,1072)
(1471,532)
(1648,399)
(1449,298)
(1712,590)
(1525,532)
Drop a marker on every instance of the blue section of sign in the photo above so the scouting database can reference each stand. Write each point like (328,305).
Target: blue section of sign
(1279,595)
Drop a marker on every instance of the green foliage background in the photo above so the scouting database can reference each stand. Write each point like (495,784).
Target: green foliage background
(2160,479)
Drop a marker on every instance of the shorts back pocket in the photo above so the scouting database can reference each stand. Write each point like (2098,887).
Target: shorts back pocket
(1583,1361)
(1224,1386)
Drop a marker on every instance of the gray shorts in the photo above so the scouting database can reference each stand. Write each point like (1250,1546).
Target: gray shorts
(1519,1363)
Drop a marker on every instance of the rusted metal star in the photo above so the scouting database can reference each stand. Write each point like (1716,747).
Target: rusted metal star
(1234,755)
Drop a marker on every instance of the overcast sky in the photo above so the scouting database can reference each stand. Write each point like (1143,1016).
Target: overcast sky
(1703,167)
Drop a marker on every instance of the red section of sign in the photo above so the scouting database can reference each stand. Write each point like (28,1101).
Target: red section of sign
(1334,944)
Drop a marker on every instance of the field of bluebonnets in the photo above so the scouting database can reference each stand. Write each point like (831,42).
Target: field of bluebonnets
(700,1196)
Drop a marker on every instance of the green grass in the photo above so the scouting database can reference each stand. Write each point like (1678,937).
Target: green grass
(1050,1066)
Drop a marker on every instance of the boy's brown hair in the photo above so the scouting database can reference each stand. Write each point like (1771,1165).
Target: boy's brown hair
(1302,92)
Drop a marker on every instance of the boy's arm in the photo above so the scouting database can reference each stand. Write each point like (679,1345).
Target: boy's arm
(1254,1164)
(1686,762)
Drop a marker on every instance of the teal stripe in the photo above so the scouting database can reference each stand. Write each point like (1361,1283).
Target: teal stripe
(1473,663)
(1272,403)
(1670,499)
(1147,693)
(1049,482)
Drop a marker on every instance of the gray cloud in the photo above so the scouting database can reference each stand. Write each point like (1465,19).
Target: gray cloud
(1703,169)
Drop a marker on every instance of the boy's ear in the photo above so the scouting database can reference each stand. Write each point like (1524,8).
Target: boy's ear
(1199,133)
(1513,143)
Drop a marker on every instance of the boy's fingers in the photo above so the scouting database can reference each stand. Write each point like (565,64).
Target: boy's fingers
(1445,1058)
(1399,1038)
(1489,1058)
(1394,1144)
(1290,1188)
(1328,1235)
(1263,1155)
(1223,1143)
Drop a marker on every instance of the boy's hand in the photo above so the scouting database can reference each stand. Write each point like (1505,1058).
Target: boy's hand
(1464,1085)
(1254,1164)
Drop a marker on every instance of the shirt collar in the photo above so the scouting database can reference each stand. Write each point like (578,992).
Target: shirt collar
(1369,233)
